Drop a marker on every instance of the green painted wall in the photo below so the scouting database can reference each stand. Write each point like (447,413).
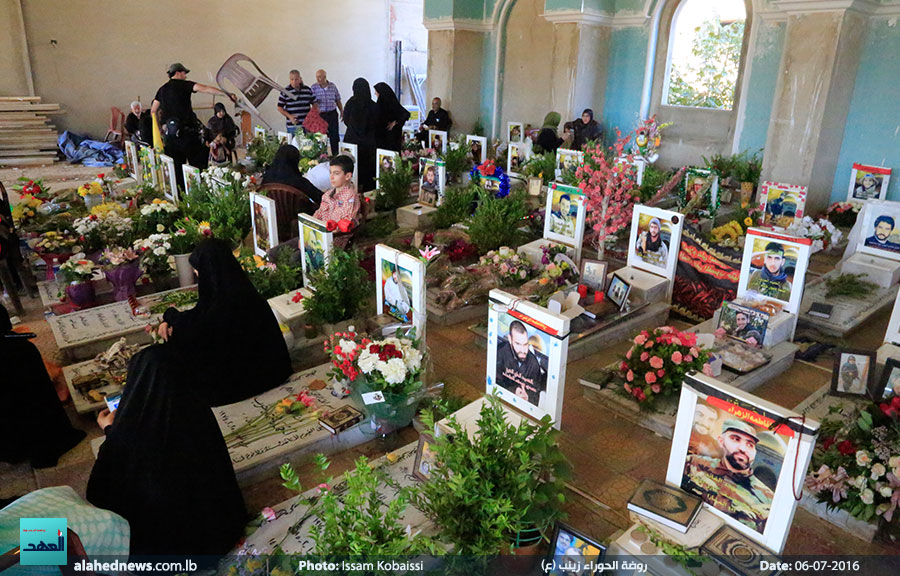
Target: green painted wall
(625,77)
(764,70)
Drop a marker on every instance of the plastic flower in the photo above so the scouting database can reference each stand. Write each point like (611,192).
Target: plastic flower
(677,358)
(878,470)
(268,514)
(429,253)
(656,362)
(863,458)
(650,377)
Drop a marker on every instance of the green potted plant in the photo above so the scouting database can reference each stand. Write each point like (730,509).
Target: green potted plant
(456,207)
(542,166)
(356,522)
(496,220)
(273,279)
(500,489)
(393,186)
(262,150)
(456,161)
(747,171)
(340,291)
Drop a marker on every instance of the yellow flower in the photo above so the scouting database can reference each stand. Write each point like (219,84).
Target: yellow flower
(748,221)
(279,410)
(543,281)
(391,457)
(286,402)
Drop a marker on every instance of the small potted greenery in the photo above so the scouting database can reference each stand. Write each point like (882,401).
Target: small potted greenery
(456,161)
(541,167)
(456,207)
(500,489)
(496,221)
(747,170)
(340,291)
(356,522)
(393,186)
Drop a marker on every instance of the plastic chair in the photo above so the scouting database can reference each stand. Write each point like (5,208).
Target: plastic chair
(253,85)
(116,127)
(289,201)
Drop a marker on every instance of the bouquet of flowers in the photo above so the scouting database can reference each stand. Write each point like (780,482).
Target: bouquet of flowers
(343,350)
(53,242)
(226,177)
(93,188)
(657,362)
(25,209)
(158,215)
(186,233)
(31,187)
(76,269)
(272,278)
(119,256)
(508,265)
(121,170)
(107,229)
(843,214)
(856,466)
(823,233)
(392,365)
(154,251)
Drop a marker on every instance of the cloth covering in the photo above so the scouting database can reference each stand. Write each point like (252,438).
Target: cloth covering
(164,465)
(30,403)
(78,148)
(102,533)
(229,347)
(707,275)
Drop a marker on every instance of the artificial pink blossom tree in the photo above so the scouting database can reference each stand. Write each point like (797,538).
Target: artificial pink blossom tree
(610,186)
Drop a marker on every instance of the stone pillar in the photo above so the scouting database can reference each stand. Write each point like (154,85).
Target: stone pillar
(809,110)
(455,59)
(579,68)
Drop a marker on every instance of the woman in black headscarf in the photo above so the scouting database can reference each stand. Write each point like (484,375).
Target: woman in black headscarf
(221,132)
(361,118)
(164,466)
(285,170)
(391,118)
(33,424)
(229,346)
(585,128)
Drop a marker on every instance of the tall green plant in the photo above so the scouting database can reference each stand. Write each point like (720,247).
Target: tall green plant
(542,166)
(340,289)
(227,210)
(496,220)
(456,206)
(455,160)
(489,486)
(393,186)
(262,150)
(748,167)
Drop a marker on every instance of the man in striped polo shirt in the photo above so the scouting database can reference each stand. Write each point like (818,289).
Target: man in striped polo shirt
(295,110)
(328,99)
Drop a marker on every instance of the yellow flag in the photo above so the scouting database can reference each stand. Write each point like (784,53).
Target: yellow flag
(157,136)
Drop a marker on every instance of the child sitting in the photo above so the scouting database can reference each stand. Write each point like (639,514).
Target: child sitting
(340,205)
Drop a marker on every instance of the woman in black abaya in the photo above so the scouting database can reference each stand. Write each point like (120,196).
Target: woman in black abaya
(164,466)
(33,424)
(391,118)
(229,346)
(361,118)
(285,169)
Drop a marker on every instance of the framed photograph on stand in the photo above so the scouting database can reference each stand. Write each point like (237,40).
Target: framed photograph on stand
(284,138)
(477,148)
(774,267)
(593,274)
(567,160)
(400,287)
(739,453)
(853,372)
(264,222)
(566,209)
(426,459)
(315,246)
(868,183)
(149,174)
(352,150)
(134,166)
(259,132)
(515,132)
(618,291)
(527,350)
(655,241)
(513,160)
(880,229)
(432,181)
(384,160)
(437,141)
(169,180)
(781,204)
(639,166)
(889,383)
(695,180)
(191,176)
(743,323)
(570,548)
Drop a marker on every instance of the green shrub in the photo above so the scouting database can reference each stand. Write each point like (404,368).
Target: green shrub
(455,161)
(456,207)
(340,289)
(496,220)
(542,166)
(262,150)
(393,186)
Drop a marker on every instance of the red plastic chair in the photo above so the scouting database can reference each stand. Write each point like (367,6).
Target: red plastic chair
(116,127)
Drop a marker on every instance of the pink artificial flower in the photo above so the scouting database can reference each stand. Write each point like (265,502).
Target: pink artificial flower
(629,376)
(707,369)
(429,253)
(268,514)
(628,355)
(640,339)
(644,356)
(656,388)
(677,357)
(656,362)
(688,358)
(323,487)
(694,351)
(650,377)
(660,373)
(623,366)
(627,387)
(649,344)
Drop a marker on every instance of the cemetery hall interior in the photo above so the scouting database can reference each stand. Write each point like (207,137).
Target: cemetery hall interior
(450,287)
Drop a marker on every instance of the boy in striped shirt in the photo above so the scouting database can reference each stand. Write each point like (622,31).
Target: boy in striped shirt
(340,205)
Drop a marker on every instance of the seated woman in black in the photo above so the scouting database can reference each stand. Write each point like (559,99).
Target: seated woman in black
(221,132)
(33,424)
(229,346)
(285,169)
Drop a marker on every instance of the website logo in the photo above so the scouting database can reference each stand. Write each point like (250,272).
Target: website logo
(42,541)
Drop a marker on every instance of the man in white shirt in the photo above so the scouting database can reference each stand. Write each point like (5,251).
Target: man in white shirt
(395,295)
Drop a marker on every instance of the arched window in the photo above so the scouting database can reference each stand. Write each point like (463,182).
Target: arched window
(704,54)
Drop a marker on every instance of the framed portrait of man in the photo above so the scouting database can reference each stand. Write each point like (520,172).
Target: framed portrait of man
(889,383)
(284,137)
(639,166)
(265,225)
(315,246)
(169,179)
(527,350)
(385,160)
(513,159)
(593,274)
(696,180)
(853,372)
(880,231)
(134,166)
(477,148)
(515,132)
(774,267)
(738,453)
(352,150)
(400,287)
(743,323)
(432,180)
(259,131)
(574,549)
(655,240)
(868,183)
(566,213)
(437,141)
(781,204)
(426,459)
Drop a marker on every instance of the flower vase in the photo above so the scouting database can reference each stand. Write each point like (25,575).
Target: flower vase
(122,279)
(396,411)
(185,270)
(81,294)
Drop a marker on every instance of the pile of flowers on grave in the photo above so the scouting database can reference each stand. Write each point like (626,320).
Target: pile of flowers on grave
(843,214)
(823,233)
(856,464)
(655,365)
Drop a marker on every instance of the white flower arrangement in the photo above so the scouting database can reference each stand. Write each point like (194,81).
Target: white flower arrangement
(394,360)
(158,206)
(822,232)
(77,268)
(154,252)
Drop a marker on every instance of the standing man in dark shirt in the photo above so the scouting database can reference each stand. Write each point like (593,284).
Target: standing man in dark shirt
(180,127)
(518,368)
(295,109)
(438,119)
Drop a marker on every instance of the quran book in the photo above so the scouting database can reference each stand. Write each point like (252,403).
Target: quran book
(340,419)
(669,506)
